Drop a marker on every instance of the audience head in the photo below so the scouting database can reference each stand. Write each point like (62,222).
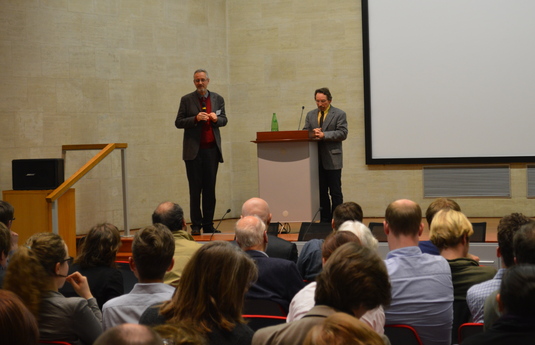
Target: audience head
(129,334)
(179,334)
(18,326)
(517,291)
(335,240)
(440,204)
(251,233)
(524,244)
(354,280)
(153,248)
(169,214)
(362,232)
(38,266)
(449,229)
(210,296)
(346,211)
(6,213)
(342,329)
(257,207)
(100,246)
(5,244)
(404,218)
(507,227)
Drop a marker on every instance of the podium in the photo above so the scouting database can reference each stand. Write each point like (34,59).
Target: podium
(34,214)
(288,174)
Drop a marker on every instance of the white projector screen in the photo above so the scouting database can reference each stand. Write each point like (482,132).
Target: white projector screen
(449,81)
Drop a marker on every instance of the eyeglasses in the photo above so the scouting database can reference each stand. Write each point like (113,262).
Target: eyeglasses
(69,260)
(200,80)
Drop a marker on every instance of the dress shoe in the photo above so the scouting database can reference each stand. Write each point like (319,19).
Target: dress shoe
(195,231)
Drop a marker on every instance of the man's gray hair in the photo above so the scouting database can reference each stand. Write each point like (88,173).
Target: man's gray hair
(362,232)
(200,70)
(250,231)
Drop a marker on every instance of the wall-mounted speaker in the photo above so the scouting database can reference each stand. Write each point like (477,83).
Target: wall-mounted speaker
(37,174)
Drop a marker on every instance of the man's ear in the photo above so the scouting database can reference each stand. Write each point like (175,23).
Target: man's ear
(500,303)
(57,267)
(498,252)
(421,229)
(332,224)
(386,228)
(132,264)
(171,265)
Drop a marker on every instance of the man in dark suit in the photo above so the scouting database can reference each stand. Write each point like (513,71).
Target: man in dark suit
(278,279)
(329,125)
(277,247)
(201,113)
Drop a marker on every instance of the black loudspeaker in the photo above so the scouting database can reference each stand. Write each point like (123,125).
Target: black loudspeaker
(309,231)
(37,174)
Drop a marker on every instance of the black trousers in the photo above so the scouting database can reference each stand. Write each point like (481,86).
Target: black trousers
(330,182)
(202,174)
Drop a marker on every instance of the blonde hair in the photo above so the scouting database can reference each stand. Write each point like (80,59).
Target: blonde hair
(32,268)
(448,228)
(342,329)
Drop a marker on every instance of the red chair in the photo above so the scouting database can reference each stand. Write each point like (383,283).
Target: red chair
(260,321)
(402,335)
(469,329)
(42,342)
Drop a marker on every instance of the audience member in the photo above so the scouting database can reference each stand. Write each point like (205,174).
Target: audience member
(309,261)
(476,295)
(422,290)
(516,300)
(129,334)
(278,279)
(7,216)
(178,334)
(36,271)
(304,299)
(5,247)
(353,280)
(278,247)
(450,232)
(152,249)
(96,261)
(18,326)
(524,253)
(342,329)
(209,297)
(437,205)
(171,215)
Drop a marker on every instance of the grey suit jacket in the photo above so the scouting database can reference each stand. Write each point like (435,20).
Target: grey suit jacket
(188,109)
(335,130)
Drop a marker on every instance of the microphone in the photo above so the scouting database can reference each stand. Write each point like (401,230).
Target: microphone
(302,109)
(309,225)
(218,224)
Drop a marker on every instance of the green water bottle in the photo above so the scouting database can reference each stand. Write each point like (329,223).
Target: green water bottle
(274,123)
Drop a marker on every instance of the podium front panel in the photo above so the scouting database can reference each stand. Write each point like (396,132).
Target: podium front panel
(288,179)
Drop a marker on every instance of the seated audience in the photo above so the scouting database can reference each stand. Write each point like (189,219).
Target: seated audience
(350,231)
(353,280)
(278,247)
(476,295)
(152,250)
(278,279)
(129,334)
(524,251)
(36,271)
(209,296)
(177,334)
(5,247)
(309,261)
(18,326)
(171,215)
(516,301)
(7,216)
(422,290)
(342,329)
(450,232)
(437,205)
(96,261)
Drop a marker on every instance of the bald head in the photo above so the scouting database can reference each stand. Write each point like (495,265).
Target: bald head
(404,217)
(251,233)
(129,334)
(169,214)
(257,207)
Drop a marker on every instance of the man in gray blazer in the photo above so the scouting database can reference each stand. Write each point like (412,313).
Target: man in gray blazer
(328,124)
(201,113)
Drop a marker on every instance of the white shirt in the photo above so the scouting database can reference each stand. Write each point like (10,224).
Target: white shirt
(303,301)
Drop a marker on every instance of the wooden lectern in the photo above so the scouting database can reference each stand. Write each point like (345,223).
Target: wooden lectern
(288,174)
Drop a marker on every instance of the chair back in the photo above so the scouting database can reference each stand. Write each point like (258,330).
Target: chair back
(129,278)
(378,231)
(402,335)
(43,342)
(260,321)
(480,232)
(262,307)
(469,329)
